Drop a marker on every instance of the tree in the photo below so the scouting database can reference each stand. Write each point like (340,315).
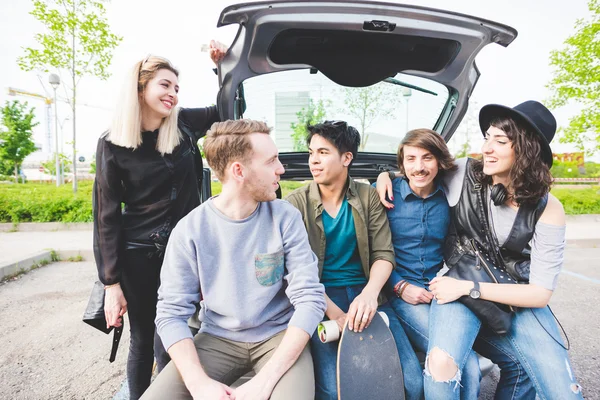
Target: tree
(93,164)
(368,104)
(6,167)
(15,141)
(314,114)
(577,80)
(468,126)
(77,41)
(50,165)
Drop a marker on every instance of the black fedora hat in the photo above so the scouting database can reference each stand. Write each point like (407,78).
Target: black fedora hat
(532,115)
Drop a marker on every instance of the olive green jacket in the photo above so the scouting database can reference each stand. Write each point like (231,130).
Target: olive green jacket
(373,235)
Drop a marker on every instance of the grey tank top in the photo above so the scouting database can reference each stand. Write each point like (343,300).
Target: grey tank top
(547,244)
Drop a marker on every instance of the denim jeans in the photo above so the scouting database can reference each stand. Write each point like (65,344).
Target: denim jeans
(415,321)
(531,357)
(325,354)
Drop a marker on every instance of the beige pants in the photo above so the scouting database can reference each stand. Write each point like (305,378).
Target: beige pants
(226,361)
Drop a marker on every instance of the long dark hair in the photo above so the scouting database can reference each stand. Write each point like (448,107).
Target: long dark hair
(529,176)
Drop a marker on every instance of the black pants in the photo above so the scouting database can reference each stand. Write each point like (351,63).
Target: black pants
(140,282)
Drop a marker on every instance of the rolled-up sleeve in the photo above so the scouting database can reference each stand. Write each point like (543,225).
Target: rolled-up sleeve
(304,290)
(106,199)
(380,236)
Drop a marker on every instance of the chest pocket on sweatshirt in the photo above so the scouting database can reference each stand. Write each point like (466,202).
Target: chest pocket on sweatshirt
(269,267)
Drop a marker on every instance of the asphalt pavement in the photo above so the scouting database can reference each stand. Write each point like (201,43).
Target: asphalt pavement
(48,353)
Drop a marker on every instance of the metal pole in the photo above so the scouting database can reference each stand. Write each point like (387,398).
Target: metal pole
(74,117)
(57,164)
(62,164)
(406,92)
(406,118)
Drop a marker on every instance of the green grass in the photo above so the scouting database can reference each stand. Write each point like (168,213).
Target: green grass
(579,201)
(35,202)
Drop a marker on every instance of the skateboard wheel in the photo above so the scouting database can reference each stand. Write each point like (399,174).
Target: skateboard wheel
(385,318)
(328,331)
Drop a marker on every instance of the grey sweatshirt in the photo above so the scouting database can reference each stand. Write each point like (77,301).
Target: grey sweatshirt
(257,275)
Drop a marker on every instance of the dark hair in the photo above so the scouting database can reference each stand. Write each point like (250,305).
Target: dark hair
(344,137)
(529,176)
(433,143)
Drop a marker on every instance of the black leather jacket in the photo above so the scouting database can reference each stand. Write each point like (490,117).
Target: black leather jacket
(469,221)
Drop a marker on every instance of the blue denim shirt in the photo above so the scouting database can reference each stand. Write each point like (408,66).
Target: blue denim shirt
(419,227)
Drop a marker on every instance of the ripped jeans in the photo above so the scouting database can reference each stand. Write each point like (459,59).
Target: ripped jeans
(415,321)
(530,357)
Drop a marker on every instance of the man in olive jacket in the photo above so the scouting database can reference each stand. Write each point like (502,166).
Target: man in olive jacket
(348,231)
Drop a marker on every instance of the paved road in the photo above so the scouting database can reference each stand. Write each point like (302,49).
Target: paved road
(47,353)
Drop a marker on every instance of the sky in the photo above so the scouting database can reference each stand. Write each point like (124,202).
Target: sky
(177,29)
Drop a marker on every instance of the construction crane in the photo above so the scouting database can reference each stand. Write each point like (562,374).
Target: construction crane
(47,144)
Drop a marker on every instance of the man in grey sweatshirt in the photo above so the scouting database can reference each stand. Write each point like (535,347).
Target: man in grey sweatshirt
(245,255)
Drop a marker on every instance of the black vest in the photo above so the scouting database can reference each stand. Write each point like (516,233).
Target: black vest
(469,222)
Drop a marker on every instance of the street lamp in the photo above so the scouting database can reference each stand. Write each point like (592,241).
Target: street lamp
(406,92)
(62,141)
(55,83)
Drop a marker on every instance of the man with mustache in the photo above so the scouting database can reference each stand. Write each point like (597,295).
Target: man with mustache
(419,218)
(349,232)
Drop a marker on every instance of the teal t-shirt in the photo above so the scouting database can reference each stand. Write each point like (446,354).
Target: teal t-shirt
(341,266)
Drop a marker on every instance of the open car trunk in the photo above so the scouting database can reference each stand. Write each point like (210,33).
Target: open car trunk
(392,52)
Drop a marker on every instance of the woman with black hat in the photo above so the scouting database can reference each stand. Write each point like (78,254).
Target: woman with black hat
(505,220)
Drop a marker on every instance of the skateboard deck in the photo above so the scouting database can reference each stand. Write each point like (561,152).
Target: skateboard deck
(368,365)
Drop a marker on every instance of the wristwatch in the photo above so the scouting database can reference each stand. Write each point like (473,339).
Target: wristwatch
(475,293)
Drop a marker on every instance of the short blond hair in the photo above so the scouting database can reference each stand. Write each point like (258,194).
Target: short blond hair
(228,141)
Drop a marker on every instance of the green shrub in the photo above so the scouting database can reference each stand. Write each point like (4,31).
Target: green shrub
(570,169)
(35,202)
(44,202)
(579,201)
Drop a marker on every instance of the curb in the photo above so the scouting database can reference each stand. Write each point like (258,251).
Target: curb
(41,258)
(46,226)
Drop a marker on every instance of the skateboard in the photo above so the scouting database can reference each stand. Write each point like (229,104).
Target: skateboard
(368,365)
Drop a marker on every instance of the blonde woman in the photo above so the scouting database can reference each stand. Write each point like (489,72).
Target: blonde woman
(148,168)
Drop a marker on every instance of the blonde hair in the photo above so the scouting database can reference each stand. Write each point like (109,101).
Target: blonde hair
(228,141)
(126,128)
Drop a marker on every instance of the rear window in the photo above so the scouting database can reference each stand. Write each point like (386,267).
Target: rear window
(382,113)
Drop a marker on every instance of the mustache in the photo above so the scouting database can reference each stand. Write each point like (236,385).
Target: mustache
(420,172)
